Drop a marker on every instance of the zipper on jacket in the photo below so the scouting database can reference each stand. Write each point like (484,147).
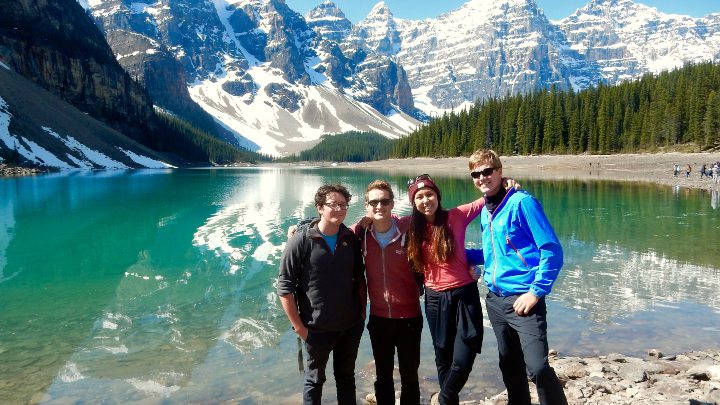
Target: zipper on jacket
(492,239)
(385,288)
(492,243)
(386,294)
(507,238)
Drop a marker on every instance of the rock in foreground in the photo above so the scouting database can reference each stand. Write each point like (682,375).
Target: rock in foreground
(690,378)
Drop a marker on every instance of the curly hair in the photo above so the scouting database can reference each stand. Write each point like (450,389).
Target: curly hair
(324,190)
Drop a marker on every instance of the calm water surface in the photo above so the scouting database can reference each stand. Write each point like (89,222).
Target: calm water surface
(158,286)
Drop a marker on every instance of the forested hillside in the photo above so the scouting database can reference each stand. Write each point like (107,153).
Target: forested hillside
(210,148)
(671,108)
(350,146)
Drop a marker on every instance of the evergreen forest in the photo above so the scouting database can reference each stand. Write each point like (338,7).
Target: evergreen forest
(197,145)
(656,111)
(352,146)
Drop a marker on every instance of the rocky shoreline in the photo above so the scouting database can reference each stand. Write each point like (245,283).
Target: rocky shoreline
(15,171)
(638,167)
(690,378)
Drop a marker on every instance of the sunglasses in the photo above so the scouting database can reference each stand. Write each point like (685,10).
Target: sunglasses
(419,178)
(383,201)
(485,172)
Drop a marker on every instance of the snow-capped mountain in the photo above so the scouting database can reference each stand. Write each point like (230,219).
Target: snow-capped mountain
(41,129)
(486,48)
(256,66)
(629,39)
(279,80)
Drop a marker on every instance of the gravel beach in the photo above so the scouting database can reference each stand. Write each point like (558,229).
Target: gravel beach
(655,168)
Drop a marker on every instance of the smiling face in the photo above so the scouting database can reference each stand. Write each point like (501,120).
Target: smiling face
(487,184)
(426,202)
(329,215)
(383,204)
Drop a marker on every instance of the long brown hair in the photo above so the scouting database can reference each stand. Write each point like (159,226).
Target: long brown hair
(442,242)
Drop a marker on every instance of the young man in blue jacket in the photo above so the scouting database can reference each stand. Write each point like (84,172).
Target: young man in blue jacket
(522,257)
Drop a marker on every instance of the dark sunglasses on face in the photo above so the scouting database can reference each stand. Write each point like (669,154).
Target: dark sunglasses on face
(419,178)
(485,172)
(383,201)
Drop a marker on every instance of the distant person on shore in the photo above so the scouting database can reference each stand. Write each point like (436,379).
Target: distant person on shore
(702,171)
(716,172)
(396,320)
(676,170)
(436,247)
(522,258)
(322,290)
(688,170)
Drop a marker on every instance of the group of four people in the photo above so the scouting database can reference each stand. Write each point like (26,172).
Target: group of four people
(327,271)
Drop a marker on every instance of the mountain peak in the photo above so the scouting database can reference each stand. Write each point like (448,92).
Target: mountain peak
(494,7)
(324,10)
(380,9)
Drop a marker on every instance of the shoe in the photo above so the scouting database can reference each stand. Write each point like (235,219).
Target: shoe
(435,398)
(370,399)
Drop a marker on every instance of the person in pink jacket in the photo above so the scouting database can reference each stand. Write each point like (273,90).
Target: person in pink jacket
(436,248)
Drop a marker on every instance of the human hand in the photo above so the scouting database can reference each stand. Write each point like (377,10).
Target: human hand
(474,273)
(525,303)
(365,222)
(302,332)
(291,231)
(509,183)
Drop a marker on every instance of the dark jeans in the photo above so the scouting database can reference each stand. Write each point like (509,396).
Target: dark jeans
(385,336)
(344,347)
(454,361)
(523,349)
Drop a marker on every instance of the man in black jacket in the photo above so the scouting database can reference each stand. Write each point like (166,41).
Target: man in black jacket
(323,292)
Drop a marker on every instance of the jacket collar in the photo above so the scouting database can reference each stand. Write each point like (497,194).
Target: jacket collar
(504,201)
(314,231)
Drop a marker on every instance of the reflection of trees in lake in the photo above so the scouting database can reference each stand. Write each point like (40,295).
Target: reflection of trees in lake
(637,217)
(608,281)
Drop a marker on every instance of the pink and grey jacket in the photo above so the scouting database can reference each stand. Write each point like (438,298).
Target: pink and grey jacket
(392,286)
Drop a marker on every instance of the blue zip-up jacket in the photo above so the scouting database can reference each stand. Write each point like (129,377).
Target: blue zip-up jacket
(520,249)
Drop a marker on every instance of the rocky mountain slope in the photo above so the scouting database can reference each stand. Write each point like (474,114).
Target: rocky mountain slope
(484,49)
(258,68)
(270,79)
(628,39)
(55,46)
(266,72)
(40,129)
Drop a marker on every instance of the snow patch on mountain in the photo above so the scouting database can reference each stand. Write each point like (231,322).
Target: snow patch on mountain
(319,110)
(483,49)
(145,161)
(82,157)
(628,39)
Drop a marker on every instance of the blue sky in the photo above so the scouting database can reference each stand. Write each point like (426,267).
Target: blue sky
(356,10)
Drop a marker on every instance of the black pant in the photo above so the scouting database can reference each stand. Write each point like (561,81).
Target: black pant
(385,336)
(454,360)
(523,349)
(344,347)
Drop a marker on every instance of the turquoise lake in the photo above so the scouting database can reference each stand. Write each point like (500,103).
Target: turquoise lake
(157,287)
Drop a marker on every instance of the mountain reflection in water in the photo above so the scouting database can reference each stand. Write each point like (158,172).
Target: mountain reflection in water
(131,286)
